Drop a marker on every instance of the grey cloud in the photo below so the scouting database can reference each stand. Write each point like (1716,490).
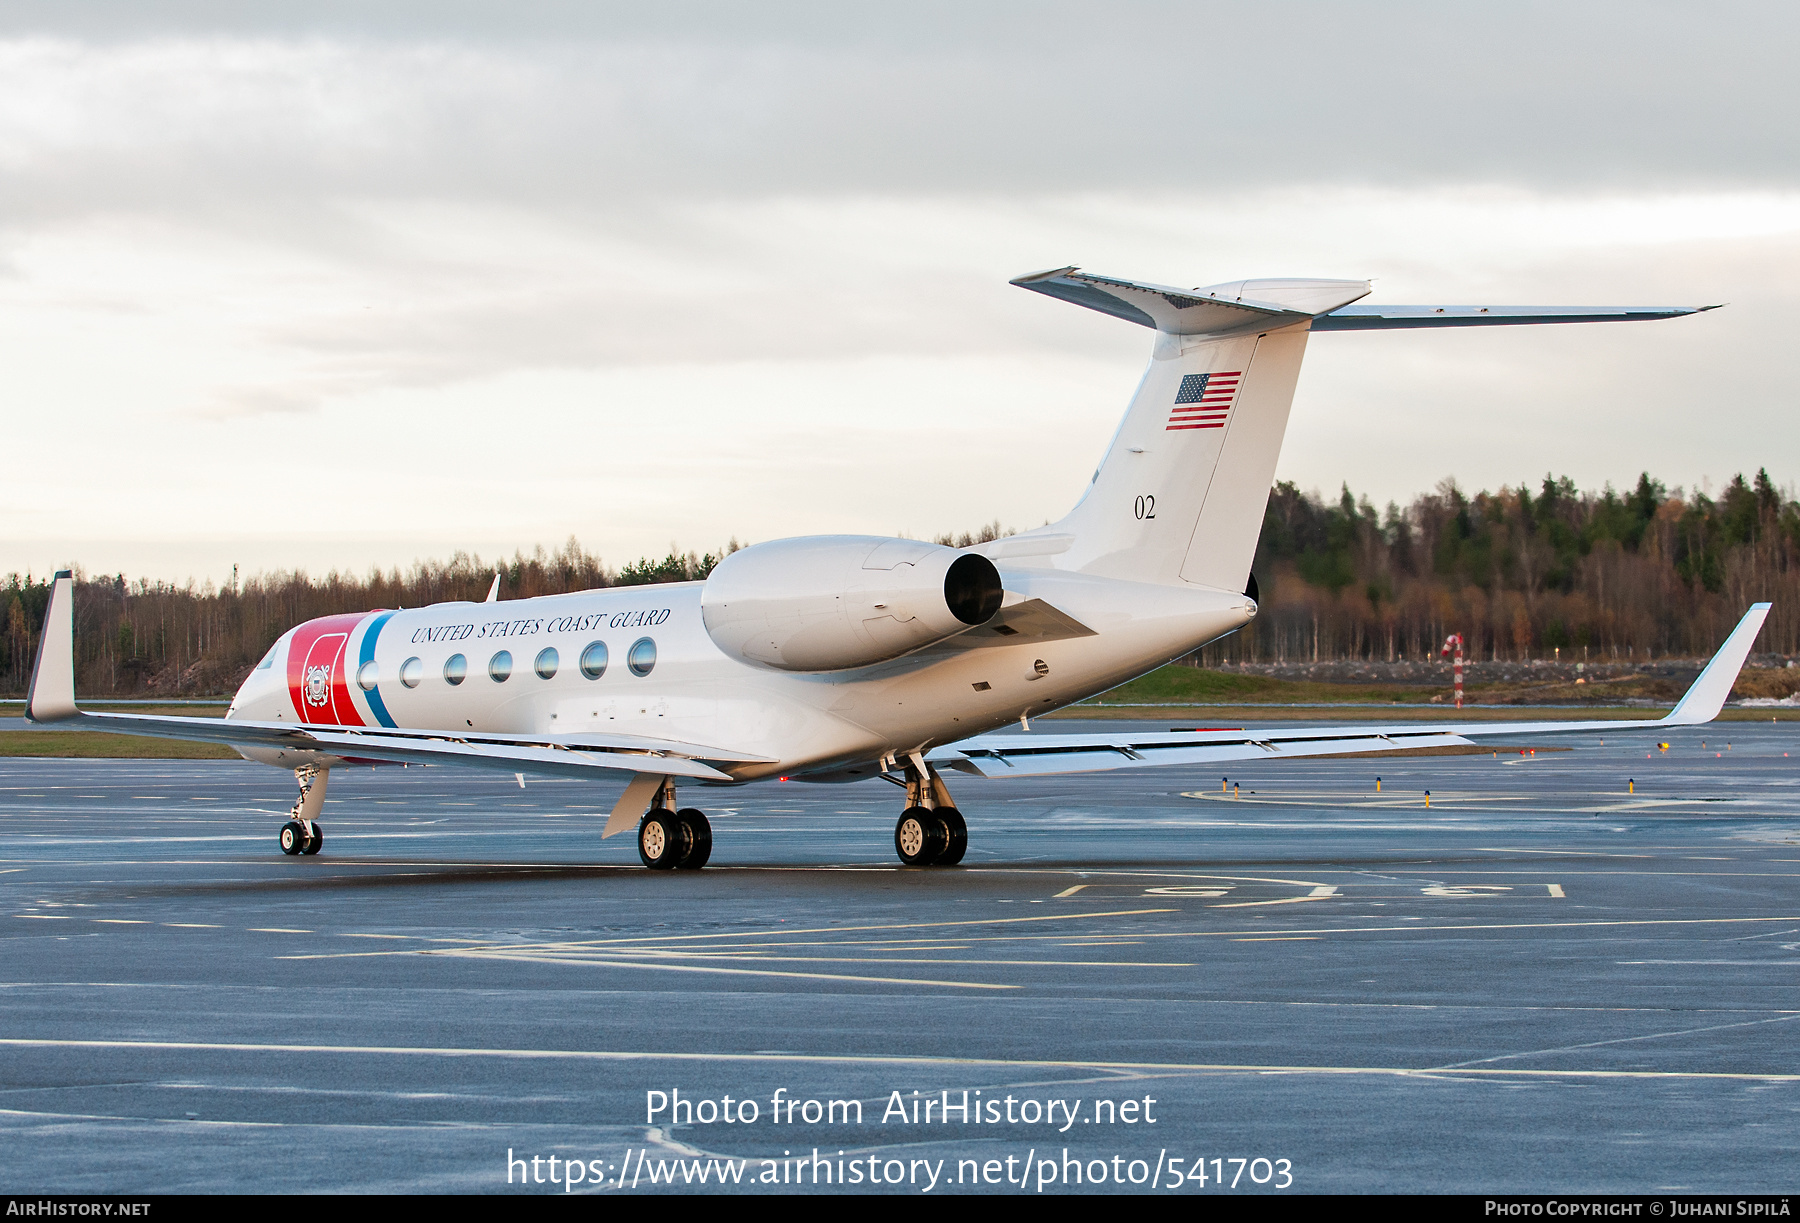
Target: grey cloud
(609,102)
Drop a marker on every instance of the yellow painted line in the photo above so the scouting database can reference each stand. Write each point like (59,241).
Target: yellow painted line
(1063,939)
(735,972)
(1068,891)
(899,963)
(827,1059)
(919,925)
(1151,934)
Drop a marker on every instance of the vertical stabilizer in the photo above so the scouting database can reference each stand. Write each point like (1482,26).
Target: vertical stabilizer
(1180,494)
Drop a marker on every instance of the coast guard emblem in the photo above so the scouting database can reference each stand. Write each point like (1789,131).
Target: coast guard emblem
(318,685)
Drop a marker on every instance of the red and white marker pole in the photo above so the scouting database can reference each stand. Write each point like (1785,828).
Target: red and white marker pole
(1454,643)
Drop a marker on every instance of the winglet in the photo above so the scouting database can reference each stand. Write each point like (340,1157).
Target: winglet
(1704,700)
(52,696)
(494,590)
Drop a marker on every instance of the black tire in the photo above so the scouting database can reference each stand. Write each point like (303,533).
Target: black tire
(956,841)
(317,841)
(293,837)
(696,832)
(660,840)
(919,837)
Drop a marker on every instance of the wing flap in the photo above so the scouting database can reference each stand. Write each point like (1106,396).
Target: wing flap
(987,758)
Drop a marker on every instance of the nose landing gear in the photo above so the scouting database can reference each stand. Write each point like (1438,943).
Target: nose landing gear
(931,831)
(302,833)
(670,839)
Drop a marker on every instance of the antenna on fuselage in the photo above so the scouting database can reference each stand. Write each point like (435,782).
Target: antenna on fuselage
(494,590)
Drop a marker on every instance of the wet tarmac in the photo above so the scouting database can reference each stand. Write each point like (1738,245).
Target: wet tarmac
(1572,971)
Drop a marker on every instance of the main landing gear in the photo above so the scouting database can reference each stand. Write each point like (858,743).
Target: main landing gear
(302,833)
(931,831)
(671,839)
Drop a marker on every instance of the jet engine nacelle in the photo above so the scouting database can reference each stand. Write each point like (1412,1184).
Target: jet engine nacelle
(832,602)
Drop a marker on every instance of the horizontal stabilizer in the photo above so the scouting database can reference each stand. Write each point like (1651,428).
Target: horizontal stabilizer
(1383,318)
(1245,305)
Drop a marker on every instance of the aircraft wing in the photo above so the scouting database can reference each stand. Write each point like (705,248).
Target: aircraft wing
(568,755)
(1027,755)
(52,700)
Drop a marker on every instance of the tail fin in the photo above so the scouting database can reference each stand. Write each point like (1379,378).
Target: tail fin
(1180,495)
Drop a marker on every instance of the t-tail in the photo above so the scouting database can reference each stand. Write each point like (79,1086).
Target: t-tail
(1180,495)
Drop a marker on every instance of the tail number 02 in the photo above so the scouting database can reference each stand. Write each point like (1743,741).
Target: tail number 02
(1144,507)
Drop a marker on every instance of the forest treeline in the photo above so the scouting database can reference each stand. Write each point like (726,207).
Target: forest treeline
(1520,573)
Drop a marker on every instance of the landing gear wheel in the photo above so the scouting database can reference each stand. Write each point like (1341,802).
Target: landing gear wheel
(920,836)
(293,837)
(316,842)
(696,835)
(660,840)
(956,840)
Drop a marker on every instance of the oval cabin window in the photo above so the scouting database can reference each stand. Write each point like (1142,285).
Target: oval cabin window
(593,660)
(642,657)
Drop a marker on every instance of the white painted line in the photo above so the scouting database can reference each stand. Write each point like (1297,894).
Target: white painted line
(827,1059)
(276,930)
(1316,894)
(120,921)
(1555,890)
(191,925)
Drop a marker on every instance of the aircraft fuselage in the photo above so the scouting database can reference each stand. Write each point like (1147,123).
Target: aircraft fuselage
(657,673)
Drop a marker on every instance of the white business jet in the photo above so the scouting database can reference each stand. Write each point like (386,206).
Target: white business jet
(842,657)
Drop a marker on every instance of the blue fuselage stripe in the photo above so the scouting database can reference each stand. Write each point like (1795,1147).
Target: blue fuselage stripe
(376,705)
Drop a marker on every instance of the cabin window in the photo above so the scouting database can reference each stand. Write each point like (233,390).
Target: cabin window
(411,672)
(593,660)
(545,666)
(456,670)
(367,675)
(500,666)
(641,658)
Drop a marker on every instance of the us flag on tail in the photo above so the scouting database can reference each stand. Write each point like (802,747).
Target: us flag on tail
(1204,400)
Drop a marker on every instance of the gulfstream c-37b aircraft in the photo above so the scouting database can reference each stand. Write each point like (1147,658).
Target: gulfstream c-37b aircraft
(841,657)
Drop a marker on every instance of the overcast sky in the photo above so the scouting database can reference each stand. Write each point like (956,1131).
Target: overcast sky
(337,285)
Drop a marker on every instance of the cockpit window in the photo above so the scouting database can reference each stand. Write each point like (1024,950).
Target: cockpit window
(269,658)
